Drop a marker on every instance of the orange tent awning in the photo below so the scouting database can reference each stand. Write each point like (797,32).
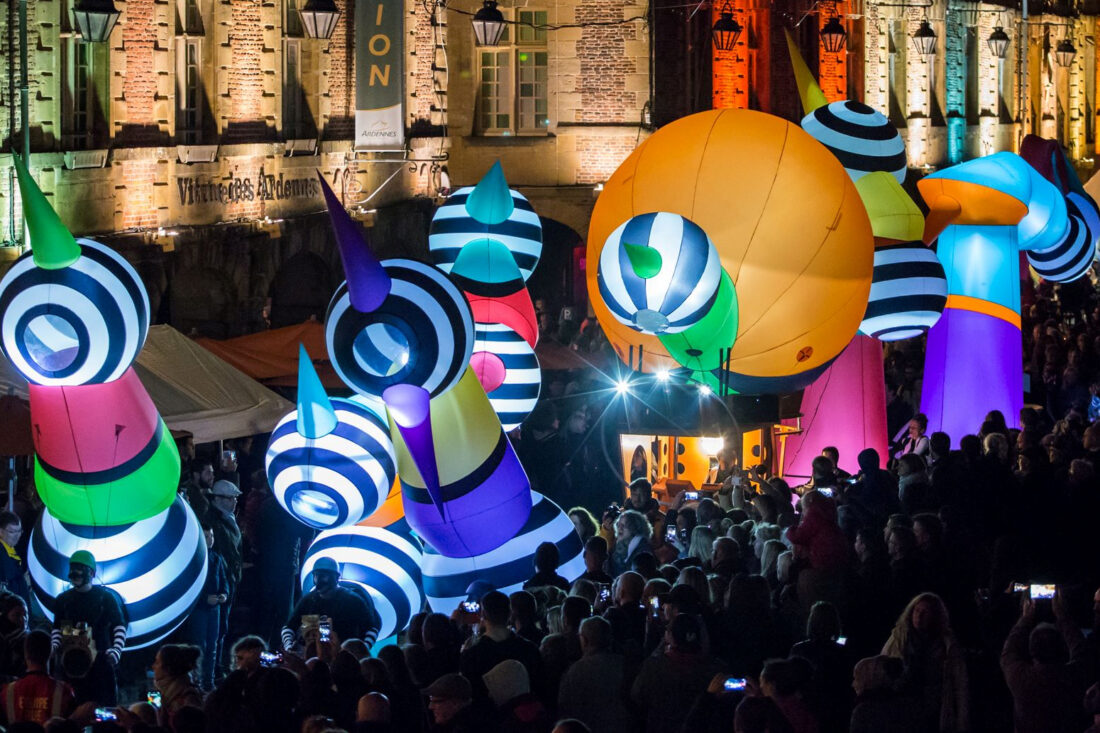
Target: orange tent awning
(271,356)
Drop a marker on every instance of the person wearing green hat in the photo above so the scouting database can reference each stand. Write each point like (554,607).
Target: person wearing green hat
(99,610)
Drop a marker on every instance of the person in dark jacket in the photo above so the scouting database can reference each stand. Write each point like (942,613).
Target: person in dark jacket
(352,615)
(13,568)
(205,623)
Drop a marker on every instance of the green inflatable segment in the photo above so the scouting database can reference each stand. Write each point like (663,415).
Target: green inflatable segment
(697,348)
(115,497)
(52,244)
(646,261)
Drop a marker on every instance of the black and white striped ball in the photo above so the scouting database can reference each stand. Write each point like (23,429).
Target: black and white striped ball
(384,563)
(422,334)
(1071,258)
(81,324)
(659,273)
(337,479)
(157,566)
(507,567)
(863,139)
(453,227)
(508,369)
(908,292)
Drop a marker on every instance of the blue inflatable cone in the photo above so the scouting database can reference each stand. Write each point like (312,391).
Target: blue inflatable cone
(316,418)
(490,202)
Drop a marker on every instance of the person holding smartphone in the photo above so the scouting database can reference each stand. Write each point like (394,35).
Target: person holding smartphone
(172,669)
(1043,665)
(351,614)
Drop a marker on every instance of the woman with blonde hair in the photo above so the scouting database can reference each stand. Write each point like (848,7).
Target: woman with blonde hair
(934,667)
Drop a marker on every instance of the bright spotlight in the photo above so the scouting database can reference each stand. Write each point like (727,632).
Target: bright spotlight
(704,390)
(622,386)
(712,446)
(663,375)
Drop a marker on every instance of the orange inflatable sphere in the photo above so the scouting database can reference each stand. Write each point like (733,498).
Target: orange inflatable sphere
(787,222)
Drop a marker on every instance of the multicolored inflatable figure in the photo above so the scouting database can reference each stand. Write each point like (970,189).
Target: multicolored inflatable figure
(73,317)
(790,232)
(984,211)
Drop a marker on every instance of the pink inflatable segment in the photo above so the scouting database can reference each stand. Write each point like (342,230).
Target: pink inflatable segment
(844,407)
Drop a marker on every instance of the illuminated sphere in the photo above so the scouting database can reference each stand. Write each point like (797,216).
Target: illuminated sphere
(422,334)
(509,566)
(384,563)
(337,479)
(82,324)
(658,273)
(157,566)
(908,292)
(1071,258)
(453,228)
(785,218)
(862,139)
(508,370)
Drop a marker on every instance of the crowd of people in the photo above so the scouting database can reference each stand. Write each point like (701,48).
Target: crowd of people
(952,586)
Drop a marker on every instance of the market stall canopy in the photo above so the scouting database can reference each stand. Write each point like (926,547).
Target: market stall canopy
(272,356)
(193,390)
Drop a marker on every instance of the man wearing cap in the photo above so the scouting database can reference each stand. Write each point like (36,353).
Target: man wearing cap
(449,701)
(101,610)
(222,521)
(351,614)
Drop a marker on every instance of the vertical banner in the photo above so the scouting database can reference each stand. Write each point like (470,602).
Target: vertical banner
(379,75)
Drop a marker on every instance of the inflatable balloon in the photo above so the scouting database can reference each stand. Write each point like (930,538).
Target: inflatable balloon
(421,334)
(509,372)
(908,292)
(80,324)
(507,567)
(391,515)
(482,495)
(862,139)
(384,563)
(338,478)
(659,273)
(454,226)
(157,566)
(785,219)
(103,455)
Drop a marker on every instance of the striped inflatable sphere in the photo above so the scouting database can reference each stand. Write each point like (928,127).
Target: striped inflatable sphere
(453,227)
(861,138)
(82,324)
(384,563)
(337,479)
(422,334)
(908,292)
(508,370)
(509,566)
(1071,258)
(659,273)
(157,566)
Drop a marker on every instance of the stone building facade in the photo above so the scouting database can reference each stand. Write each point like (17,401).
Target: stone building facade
(192,139)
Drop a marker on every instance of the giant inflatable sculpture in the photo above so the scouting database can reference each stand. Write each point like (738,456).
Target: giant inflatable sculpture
(442,360)
(732,245)
(985,212)
(846,406)
(73,317)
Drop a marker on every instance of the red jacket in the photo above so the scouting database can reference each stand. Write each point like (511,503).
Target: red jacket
(819,533)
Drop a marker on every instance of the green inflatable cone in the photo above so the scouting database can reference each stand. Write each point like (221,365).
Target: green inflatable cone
(52,244)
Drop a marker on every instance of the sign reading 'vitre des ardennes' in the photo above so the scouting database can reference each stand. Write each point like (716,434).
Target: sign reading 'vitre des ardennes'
(234,189)
(379,75)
